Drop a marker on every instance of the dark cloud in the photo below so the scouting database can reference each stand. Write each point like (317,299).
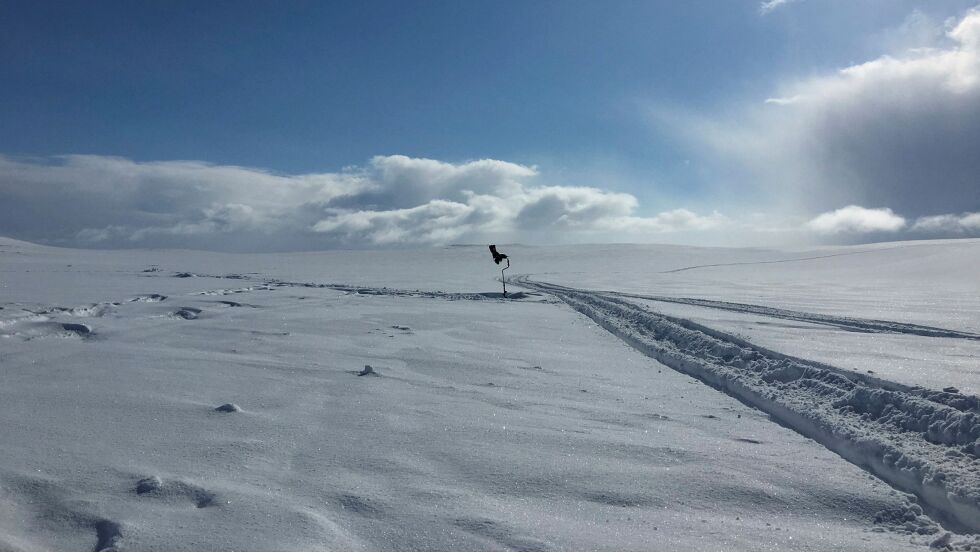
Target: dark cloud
(899,132)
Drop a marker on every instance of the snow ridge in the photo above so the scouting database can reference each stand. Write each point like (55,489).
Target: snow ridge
(919,441)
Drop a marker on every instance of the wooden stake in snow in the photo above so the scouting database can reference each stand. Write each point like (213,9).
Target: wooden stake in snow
(497,257)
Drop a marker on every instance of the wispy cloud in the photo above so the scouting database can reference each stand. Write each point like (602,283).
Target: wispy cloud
(676,220)
(768,6)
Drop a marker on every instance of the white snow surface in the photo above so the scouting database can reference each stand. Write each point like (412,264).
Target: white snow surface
(181,400)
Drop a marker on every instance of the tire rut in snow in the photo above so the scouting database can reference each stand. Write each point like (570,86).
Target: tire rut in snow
(843,322)
(920,441)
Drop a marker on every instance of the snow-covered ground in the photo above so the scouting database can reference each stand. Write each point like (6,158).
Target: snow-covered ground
(489,424)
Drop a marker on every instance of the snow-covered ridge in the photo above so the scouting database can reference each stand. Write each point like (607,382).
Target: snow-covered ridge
(920,441)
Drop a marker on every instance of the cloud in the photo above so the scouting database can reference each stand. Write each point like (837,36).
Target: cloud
(900,130)
(918,30)
(854,219)
(678,220)
(571,207)
(437,221)
(500,201)
(768,6)
(965,223)
(103,201)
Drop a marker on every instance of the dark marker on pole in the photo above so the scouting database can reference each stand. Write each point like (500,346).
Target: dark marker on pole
(497,257)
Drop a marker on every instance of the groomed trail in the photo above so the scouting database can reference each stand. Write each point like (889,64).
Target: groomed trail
(919,441)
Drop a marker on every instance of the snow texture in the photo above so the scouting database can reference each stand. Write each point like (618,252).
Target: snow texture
(921,441)
(488,423)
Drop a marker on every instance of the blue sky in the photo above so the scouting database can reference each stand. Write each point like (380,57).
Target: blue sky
(628,98)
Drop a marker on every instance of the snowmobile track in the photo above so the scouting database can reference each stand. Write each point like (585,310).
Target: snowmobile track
(789,260)
(272,284)
(843,322)
(919,441)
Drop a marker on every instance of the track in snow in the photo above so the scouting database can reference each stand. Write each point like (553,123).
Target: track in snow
(920,441)
(791,260)
(363,290)
(843,322)
(271,284)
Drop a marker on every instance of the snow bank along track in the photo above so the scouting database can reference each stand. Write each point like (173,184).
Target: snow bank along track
(920,441)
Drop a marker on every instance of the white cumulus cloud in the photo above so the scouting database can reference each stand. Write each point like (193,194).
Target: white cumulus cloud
(949,223)
(677,220)
(855,219)
(115,202)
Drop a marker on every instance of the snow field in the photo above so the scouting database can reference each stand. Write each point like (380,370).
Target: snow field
(920,441)
(224,402)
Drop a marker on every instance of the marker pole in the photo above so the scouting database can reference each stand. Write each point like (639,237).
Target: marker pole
(503,280)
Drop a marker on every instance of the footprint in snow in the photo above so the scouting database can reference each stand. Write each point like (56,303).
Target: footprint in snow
(40,326)
(503,535)
(94,310)
(108,535)
(188,313)
(77,329)
(175,490)
(55,504)
(151,298)
(612,498)
(360,506)
(367,371)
